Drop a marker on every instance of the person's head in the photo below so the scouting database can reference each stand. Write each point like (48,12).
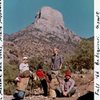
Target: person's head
(25,59)
(53,75)
(40,65)
(68,74)
(55,50)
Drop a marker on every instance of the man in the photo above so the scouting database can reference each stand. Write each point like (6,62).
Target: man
(22,79)
(42,76)
(24,65)
(56,61)
(67,86)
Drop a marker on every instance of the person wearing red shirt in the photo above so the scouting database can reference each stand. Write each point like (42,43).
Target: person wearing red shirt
(42,76)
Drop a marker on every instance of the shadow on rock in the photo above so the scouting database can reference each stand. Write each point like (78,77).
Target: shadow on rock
(88,96)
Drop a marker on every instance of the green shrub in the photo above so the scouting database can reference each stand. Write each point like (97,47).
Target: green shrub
(10,73)
(83,57)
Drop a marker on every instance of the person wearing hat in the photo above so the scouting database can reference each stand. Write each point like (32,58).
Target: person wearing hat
(22,79)
(23,69)
(67,85)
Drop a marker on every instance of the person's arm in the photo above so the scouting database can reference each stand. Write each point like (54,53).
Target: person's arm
(20,67)
(71,87)
(62,85)
(62,88)
(60,66)
(61,62)
(51,63)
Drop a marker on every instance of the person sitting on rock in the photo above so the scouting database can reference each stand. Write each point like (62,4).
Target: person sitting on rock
(22,79)
(68,88)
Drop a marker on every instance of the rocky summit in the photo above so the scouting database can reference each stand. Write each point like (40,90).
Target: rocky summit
(45,32)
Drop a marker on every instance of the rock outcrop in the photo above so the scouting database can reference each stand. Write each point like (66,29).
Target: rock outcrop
(45,32)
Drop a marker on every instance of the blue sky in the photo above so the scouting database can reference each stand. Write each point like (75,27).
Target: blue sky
(78,14)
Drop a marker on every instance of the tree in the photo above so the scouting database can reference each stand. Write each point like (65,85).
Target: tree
(83,57)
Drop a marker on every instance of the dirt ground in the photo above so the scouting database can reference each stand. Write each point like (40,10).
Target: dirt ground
(84,85)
